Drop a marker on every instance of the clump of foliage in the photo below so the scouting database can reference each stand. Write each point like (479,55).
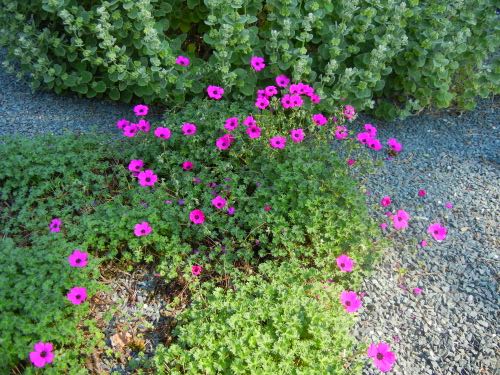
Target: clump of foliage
(397,56)
(284,320)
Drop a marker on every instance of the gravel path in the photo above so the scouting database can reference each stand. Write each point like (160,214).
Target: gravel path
(451,328)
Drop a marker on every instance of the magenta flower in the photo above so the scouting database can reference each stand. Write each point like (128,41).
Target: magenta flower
(144,125)
(319,119)
(261,94)
(196,270)
(385,201)
(422,193)
(188,129)
(372,130)
(141,110)
(182,60)
(383,358)
(42,354)
(163,133)
(278,142)
(383,226)
(351,162)
(297,135)
(230,211)
(215,92)
(345,263)
(417,291)
(394,145)
(341,132)
(448,205)
(130,131)
(437,231)
(296,100)
(147,178)
(400,220)
(142,229)
(349,112)
(254,131)
(315,98)
(187,165)
(77,295)
(267,208)
(364,138)
(262,103)
(135,165)
(224,142)
(257,63)
(231,123)
(197,217)
(295,88)
(55,225)
(286,101)
(423,243)
(78,259)
(282,80)
(120,124)
(248,121)
(374,144)
(218,202)
(350,301)
(271,91)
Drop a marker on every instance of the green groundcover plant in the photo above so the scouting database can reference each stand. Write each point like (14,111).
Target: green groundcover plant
(396,56)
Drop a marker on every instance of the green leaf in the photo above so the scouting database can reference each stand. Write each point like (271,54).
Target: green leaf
(99,86)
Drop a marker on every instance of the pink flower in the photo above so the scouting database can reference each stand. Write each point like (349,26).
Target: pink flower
(286,101)
(400,220)
(278,142)
(196,270)
(218,202)
(394,145)
(120,124)
(42,354)
(383,358)
(144,125)
(262,103)
(188,129)
(345,263)
(164,133)
(141,110)
(142,229)
(215,92)
(187,165)
(437,231)
(341,132)
(267,208)
(248,121)
(282,80)
(374,144)
(295,88)
(135,165)
(422,193)
(417,291)
(351,162)
(372,130)
(350,301)
(224,142)
(55,225)
(78,259)
(448,205)
(383,226)
(230,211)
(231,123)
(297,135)
(147,178)
(349,112)
(315,98)
(319,119)
(271,91)
(364,138)
(77,295)
(385,201)
(254,131)
(257,63)
(423,243)
(296,100)
(182,60)
(261,94)
(197,217)
(130,131)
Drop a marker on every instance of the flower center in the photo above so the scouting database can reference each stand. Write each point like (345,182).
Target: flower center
(436,231)
(342,265)
(78,296)
(143,231)
(148,179)
(78,260)
(380,356)
(348,303)
(43,354)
